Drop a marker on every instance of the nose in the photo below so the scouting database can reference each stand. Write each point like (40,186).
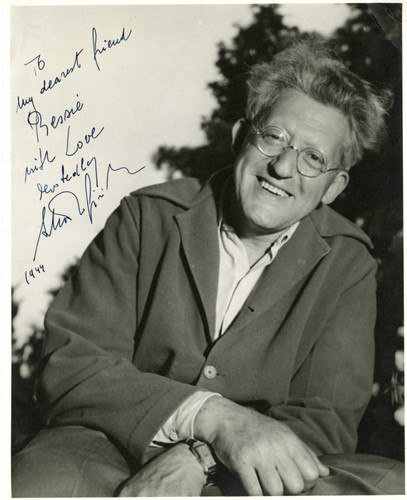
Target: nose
(285,165)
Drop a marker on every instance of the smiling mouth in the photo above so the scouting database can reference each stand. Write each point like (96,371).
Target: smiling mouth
(273,189)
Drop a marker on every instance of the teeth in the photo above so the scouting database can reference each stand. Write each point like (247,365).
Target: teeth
(273,189)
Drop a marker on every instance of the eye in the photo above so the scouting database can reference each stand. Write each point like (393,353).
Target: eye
(273,136)
(313,158)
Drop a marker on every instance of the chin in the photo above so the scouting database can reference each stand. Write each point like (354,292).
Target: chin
(262,226)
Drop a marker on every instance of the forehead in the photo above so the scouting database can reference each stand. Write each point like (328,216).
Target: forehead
(309,122)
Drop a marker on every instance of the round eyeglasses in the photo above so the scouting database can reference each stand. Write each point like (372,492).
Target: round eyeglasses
(272,141)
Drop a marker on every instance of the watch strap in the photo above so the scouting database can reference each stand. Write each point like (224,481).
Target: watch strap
(204,455)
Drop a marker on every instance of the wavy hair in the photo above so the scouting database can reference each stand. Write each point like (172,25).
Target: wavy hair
(312,68)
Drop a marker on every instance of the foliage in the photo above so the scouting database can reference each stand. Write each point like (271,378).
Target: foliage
(26,419)
(370,43)
(264,37)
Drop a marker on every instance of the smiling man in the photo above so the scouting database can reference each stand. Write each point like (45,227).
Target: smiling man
(217,337)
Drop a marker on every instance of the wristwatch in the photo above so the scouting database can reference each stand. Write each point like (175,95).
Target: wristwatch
(203,453)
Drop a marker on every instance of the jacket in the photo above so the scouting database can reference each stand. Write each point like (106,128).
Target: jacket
(129,336)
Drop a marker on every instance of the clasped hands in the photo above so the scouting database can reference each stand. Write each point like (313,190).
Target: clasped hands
(263,453)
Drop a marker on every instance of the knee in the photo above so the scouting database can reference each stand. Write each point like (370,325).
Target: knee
(35,475)
(68,462)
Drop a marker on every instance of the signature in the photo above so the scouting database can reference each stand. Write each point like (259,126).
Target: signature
(53,218)
(111,169)
(58,219)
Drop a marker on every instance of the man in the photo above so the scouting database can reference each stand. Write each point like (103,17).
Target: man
(225,326)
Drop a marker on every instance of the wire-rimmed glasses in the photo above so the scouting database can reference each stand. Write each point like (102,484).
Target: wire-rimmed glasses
(272,141)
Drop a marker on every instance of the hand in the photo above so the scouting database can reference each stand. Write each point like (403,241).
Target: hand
(267,457)
(174,473)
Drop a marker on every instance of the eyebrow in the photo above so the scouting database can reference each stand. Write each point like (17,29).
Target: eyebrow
(320,150)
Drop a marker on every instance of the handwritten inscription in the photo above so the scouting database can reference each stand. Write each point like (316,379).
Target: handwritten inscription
(79,144)
(108,44)
(38,63)
(83,203)
(44,159)
(69,183)
(33,273)
(34,119)
(22,102)
(58,79)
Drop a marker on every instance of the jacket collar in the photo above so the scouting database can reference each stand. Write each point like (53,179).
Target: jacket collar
(289,267)
(329,223)
(199,235)
(188,193)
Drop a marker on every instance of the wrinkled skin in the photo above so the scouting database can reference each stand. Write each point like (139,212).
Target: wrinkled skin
(266,456)
(174,473)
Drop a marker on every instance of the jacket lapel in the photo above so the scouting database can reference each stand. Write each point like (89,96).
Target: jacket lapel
(199,236)
(288,268)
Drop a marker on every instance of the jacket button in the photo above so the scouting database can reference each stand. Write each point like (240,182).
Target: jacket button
(210,371)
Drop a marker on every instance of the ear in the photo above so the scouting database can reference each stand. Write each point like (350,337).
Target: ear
(238,134)
(336,187)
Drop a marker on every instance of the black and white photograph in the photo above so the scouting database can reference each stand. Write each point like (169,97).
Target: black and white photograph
(206,250)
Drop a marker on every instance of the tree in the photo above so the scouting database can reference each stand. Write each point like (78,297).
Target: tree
(26,419)
(361,43)
(369,43)
(257,42)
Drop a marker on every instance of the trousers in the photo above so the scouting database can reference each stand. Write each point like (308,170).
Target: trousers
(74,461)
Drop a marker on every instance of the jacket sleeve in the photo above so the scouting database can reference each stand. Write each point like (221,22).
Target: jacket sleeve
(331,389)
(86,374)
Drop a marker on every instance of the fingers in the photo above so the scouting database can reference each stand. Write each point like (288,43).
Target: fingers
(286,475)
(279,475)
(309,467)
(266,481)
(291,477)
(323,470)
(270,481)
(250,482)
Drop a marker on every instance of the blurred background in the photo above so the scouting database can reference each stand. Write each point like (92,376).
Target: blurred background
(368,38)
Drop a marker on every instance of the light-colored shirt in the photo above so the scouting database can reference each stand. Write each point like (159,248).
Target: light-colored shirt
(236,280)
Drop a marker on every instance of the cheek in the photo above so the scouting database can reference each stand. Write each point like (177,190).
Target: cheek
(313,192)
(242,174)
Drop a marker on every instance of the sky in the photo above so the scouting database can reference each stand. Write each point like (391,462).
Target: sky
(150,90)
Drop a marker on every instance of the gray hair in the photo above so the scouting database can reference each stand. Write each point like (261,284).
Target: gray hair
(313,69)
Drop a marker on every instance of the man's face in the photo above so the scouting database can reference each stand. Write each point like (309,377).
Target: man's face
(270,191)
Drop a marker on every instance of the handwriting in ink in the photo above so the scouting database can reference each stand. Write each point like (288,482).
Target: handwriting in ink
(109,44)
(51,83)
(90,204)
(80,167)
(33,272)
(111,169)
(55,121)
(52,219)
(34,118)
(40,63)
(80,144)
(43,159)
(58,220)
(22,102)
(45,189)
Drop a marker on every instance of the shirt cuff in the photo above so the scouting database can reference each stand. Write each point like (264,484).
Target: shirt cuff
(180,425)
